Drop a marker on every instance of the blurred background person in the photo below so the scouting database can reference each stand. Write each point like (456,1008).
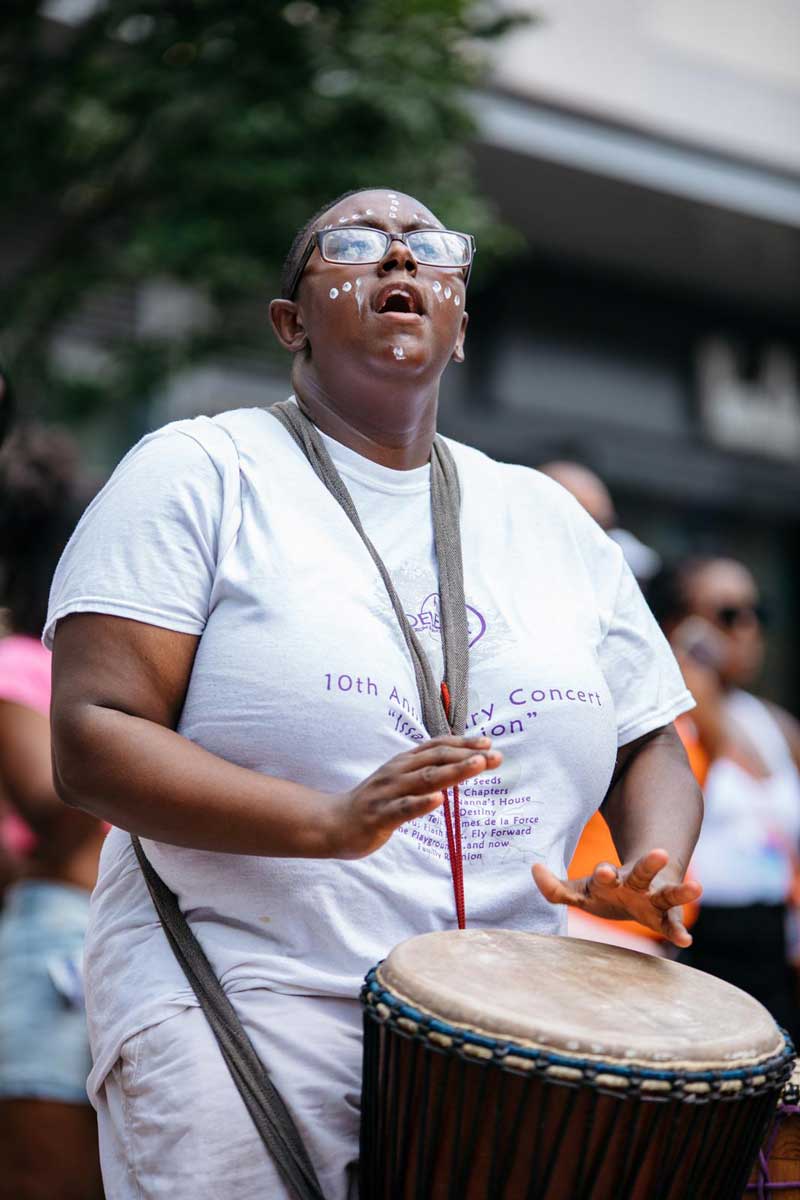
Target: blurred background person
(590,491)
(48,1140)
(8,863)
(747,854)
(596,843)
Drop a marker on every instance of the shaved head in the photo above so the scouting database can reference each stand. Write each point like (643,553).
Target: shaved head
(587,488)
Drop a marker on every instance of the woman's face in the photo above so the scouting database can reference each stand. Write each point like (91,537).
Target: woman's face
(725,594)
(390,317)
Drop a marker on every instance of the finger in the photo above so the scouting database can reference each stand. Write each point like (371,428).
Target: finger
(644,869)
(408,808)
(437,755)
(555,890)
(480,742)
(674,929)
(605,875)
(677,894)
(434,777)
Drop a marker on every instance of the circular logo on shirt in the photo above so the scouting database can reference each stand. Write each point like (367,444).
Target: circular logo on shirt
(427,618)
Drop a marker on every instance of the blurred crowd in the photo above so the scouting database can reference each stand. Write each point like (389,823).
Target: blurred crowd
(48,852)
(745,752)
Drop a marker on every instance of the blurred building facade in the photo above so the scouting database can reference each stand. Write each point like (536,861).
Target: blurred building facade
(650,155)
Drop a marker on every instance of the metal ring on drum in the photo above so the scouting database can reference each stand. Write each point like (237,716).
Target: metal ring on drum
(512,1066)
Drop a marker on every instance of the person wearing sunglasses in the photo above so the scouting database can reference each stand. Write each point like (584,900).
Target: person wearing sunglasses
(749,848)
(250,630)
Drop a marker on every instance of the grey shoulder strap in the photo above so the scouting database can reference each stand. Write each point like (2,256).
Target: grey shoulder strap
(446,511)
(270,1115)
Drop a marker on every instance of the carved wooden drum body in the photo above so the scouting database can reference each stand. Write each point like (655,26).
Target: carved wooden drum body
(512,1066)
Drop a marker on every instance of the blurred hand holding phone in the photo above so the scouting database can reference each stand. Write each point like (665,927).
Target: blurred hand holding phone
(701,650)
(696,638)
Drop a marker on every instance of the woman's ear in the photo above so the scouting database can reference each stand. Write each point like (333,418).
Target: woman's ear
(288,325)
(458,351)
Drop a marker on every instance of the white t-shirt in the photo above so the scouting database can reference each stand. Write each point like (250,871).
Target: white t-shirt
(219,527)
(750,838)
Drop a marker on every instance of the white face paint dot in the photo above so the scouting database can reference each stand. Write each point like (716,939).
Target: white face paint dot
(333,293)
(447,293)
(398,351)
(342,219)
(368,212)
(437,287)
(359,294)
(457,301)
(346,287)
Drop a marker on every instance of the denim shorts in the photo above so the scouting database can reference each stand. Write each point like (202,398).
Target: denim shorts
(44,1048)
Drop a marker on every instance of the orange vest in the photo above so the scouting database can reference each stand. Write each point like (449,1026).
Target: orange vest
(596,844)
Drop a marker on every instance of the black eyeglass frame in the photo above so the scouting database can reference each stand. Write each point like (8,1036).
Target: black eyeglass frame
(316,240)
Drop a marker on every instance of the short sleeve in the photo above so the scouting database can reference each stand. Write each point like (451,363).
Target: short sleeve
(639,667)
(148,545)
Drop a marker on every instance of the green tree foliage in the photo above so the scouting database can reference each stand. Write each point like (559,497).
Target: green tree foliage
(190,138)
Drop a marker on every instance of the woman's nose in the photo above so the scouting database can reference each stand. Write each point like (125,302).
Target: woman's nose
(397,257)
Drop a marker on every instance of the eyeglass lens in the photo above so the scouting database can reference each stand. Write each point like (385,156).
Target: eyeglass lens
(361,245)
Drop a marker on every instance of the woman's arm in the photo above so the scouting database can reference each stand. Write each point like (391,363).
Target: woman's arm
(654,810)
(27,780)
(118,690)
(654,800)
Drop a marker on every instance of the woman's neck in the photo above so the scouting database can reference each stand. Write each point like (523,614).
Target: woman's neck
(389,425)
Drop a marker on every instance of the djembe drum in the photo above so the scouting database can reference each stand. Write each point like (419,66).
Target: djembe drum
(503,1066)
(776,1175)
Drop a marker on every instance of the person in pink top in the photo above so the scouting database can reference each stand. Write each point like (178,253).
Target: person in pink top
(48,1138)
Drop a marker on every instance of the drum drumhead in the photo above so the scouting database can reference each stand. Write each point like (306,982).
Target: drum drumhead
(581,998)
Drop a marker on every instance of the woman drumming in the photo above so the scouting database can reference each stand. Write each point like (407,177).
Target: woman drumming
(232,684)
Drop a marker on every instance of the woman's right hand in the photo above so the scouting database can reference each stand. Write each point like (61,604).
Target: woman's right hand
(408,786)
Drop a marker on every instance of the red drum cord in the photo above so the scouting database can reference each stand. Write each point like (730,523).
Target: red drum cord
(452,822)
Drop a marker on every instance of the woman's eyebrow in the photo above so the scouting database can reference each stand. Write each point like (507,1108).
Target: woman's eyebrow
(409,226)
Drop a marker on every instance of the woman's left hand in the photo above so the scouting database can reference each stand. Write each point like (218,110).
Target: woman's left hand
(629,892)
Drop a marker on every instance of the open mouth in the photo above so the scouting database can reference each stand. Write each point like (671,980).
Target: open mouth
(400,299)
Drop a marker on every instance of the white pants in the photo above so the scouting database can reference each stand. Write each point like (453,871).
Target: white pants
(172,1123)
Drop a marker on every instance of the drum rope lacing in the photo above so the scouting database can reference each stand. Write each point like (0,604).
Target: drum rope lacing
(444,708)
(695,1083)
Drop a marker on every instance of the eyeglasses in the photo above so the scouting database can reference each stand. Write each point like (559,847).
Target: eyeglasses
(731,615)
(358,244)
